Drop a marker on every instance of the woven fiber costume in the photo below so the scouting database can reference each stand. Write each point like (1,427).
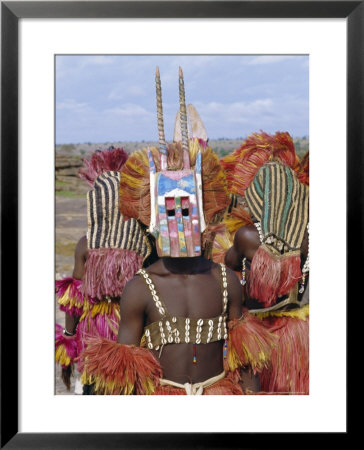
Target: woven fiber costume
(272,184)
(179,192)
(115,252)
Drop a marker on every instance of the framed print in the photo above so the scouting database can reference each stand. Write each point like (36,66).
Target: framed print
(330,35)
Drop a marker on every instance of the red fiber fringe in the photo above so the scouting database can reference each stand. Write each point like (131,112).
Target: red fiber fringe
(249,332)
(169,390)
(108,270)
(102,161)
(290,274)
(271,277)
(227,386)
(289,370)
(119,365)
(242,165)
(303,171)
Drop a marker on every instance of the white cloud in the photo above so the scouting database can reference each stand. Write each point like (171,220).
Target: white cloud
(231,97)
(269,59)
(236,112)
(129,110)
(70,104)
(123,90)
(72,66)
(98,60)
(188,63)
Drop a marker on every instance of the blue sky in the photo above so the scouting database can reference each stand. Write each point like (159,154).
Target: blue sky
(110,98)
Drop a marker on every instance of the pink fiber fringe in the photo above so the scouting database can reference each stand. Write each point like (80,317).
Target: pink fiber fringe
(74,285)
(97,326)
(100,162)
(290,274)
(264,277)
(202,142)
(272,277)
(108,270)
(289,371)
(75,292)
(70,344)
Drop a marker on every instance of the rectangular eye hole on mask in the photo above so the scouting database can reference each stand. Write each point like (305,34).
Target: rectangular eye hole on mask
(170,206)
(185,204)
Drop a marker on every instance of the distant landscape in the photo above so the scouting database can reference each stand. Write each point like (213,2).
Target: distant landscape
(221,146)
(69,159)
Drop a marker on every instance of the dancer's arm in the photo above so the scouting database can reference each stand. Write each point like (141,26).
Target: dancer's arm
(71,320)
(246,242)
(132,312)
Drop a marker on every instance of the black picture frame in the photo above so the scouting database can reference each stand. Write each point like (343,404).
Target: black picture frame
(11,12)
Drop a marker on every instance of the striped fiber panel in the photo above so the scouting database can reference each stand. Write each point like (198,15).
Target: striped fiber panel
(106,228)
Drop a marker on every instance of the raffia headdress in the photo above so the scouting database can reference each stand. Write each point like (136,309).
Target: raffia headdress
(116,249)
(266,171)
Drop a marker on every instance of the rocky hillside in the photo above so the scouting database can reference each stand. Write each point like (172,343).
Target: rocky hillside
(66,173)
(69,159)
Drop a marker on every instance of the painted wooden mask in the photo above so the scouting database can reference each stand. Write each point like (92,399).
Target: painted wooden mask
(177,219)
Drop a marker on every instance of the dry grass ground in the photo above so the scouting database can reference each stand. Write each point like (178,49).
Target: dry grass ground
(71,224)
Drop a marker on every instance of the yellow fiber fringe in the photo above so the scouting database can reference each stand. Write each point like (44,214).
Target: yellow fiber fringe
(221,244)
(66,300)
(238,218)
(249,343)
(61,356)
(299,313)
(256,363)
(143,341)
(108,388)
(103,307)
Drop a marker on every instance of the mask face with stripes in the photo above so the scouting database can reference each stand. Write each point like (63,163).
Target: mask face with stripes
(176,210)
(280,203)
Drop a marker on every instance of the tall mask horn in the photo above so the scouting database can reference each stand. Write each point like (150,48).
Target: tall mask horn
(161,136)
(183,117)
